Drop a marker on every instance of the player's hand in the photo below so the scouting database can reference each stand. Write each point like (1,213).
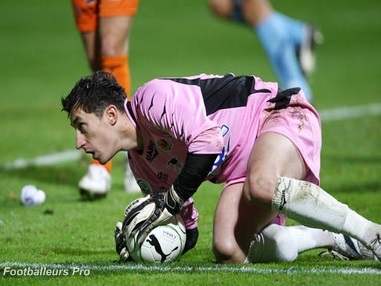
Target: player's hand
(142,215)
(120,243)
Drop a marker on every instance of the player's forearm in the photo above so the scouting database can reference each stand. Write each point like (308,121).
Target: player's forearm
(194,172)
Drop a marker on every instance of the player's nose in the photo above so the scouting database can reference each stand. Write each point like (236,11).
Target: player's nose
(79,141)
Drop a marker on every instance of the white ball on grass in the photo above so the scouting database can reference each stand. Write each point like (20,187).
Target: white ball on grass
(31,196)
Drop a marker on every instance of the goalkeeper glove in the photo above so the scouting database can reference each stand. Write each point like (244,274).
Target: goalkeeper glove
(120,243)
(143,215)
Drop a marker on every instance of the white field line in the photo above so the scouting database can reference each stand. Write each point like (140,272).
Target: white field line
(217,268)
(327,115)
(343,113)
(51,159)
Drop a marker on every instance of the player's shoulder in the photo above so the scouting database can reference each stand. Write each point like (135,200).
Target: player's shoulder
(167,85)
(201,76)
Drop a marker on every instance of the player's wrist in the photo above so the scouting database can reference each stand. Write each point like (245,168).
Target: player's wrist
(173,202)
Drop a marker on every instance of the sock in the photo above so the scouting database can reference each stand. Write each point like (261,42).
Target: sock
(307,238)
(283,244)
(273,244)
(119,67)
(280,36)
(108,165)
(310,205)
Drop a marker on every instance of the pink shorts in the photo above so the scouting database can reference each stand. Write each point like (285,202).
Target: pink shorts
(280,219)
(299,122)
(189,214)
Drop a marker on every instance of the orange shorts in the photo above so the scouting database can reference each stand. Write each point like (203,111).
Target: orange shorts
(87,12)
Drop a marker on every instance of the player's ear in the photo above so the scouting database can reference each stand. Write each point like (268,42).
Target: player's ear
(111,113)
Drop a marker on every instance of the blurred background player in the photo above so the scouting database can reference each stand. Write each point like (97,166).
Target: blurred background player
(288,43)
(104,26)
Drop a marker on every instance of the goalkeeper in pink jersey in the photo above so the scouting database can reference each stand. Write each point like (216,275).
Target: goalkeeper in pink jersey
(262,142)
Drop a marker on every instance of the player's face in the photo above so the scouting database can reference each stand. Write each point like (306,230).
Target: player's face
(94,135)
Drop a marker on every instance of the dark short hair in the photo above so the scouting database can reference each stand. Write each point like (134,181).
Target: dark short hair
(94,93)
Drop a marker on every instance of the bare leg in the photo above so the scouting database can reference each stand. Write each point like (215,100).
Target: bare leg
(234,229)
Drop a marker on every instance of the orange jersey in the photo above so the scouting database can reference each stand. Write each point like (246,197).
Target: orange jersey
(87,12)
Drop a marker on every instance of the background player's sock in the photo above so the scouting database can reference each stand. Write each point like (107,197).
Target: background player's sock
(118,65)
(107,166)
(280,37)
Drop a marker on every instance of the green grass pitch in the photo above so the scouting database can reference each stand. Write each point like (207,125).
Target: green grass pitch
(42,57)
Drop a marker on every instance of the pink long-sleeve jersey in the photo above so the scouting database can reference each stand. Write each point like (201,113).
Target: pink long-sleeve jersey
(210,114)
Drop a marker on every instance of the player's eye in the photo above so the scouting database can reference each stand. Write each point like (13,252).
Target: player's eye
(81,127)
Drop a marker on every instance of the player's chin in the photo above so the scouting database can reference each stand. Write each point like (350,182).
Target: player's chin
(98,157)
(101,158)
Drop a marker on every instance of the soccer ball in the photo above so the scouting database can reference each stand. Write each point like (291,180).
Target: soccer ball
(164,243)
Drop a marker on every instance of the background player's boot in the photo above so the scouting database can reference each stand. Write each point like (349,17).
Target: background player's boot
(96,182)
(130,184)
(305,51)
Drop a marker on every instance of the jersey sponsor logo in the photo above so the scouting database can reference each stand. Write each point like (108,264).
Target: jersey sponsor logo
(162,176)
(164,145)
(144,186)
(175,164)
(151,152)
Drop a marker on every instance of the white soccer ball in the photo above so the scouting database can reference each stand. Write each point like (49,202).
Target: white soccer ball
(31,196)
(164,243)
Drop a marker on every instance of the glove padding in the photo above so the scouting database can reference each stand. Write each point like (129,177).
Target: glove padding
(144,214)
(120,243)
